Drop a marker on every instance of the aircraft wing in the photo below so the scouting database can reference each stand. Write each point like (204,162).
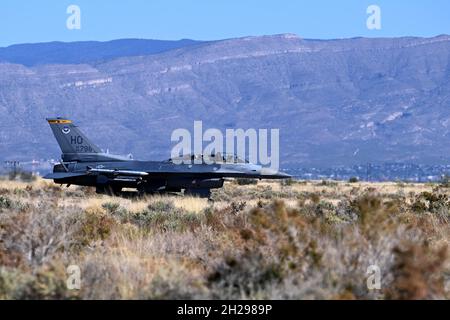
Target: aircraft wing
(63,175)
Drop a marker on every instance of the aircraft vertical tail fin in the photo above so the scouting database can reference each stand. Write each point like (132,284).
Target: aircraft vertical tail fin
(70,139)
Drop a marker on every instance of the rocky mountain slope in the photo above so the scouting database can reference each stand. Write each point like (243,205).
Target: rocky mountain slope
(336,102)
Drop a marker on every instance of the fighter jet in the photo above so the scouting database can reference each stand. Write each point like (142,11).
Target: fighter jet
(84,164)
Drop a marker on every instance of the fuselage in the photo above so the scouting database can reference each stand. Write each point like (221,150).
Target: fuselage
(151,176)
(83,163)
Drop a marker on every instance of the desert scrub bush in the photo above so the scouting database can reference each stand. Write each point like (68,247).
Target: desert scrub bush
(21,192)
(445,181)
(146,266)
(274,224)
(5,202)
(230,217)
(345,212)
(36,236)
(45,191)
(232,191)
(116,210)
(265,192)
(220,194)
(287,182)
(418,272)
(374,213)
(179,285)
(236,207)
(432,202)
(162,215)
(323,208)
(46,283)
(111,207)
(400,184)
(212,219)
(79,192)
(317,208)
(165,205)
(5,191)
(328,183)
(286,193)
(238,194)
(314,197)
(274,245)
(95,224)
(86,191)
(245,277)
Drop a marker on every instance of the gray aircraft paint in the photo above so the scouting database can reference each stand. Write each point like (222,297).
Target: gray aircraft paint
(83,163)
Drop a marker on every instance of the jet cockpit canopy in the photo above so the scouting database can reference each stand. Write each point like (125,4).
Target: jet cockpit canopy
(212,158)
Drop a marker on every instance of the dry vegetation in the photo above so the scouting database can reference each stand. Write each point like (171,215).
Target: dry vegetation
(290,240)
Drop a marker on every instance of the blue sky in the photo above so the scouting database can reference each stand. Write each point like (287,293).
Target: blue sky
(45,20)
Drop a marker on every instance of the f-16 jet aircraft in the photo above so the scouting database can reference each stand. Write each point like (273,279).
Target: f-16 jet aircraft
(84,164)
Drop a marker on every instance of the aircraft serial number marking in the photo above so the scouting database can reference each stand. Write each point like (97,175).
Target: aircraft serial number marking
(83,149)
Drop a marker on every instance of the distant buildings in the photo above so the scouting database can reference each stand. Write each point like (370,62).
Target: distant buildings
(35,166)
(376,172)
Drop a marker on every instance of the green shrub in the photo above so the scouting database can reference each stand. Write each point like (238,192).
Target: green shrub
(5,202)
(353,180)
(95,225)
(111,207)
(162,221)
(162,215)
(162,206)
(117,211)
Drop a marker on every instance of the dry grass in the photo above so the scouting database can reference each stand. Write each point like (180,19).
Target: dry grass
(302,240)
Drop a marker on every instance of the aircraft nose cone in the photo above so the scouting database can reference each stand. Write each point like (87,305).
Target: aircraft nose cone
(273,174)
(283,175)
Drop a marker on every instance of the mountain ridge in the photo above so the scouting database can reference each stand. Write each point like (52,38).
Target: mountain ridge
(336,102)
(59,52)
